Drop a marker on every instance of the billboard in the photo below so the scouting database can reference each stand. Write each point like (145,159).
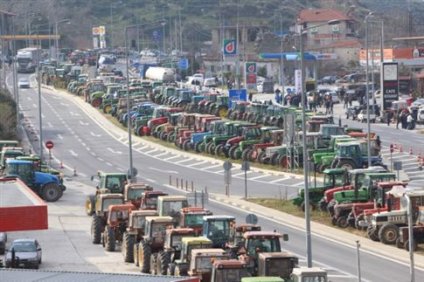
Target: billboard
(236,95)
(250,72)
(390,84)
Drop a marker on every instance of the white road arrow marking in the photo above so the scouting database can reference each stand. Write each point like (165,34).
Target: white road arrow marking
(161,170)
(73,153)
(113,151)
(64,104)
(49,124)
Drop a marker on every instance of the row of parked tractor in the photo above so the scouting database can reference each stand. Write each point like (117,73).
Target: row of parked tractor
(163,235)
(38,175)
(202,122)
(369,199)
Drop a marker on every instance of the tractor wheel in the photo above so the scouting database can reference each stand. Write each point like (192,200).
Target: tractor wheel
(311,206)
(323,167)
(107,109)
(153,264)
(96,102)
(388,233)
(219,150)
(162,263)
(372,233)
(342,222)
(135,254)
(232,152)
(274,158)
(358,219)
(186,145)
(51,192)
(96,229)
(128,247)
(90,203)
(211,148)
(163,136)
(261,157)
(346,164)
(198,147)
(144,254)
(414,245)
(245,155)
(283,161)
(399,243)
(170,138)
(222,112)
(171,269)
(110,239)
(179,272)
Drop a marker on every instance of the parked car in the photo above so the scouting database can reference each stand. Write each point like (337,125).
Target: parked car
(418,103)
(363,116)
(27,253)
(23,82)
(330,79)
(3,240)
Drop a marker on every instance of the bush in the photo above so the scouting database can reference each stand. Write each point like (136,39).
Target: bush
(7,116)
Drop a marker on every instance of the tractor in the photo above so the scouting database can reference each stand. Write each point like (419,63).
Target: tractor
(171,206)
(201,262)
(228,270)
(108,183)
(385,225)
(152,241)
(417,231)
(218,229)
(134,233)
(116,224)
(256,152)
(46,185)
(180,266)
(238,108)
(171,250)
(149,200)
(134,193)
(256,242)
(276,264)
(192,217)
(100,215)
(352,155)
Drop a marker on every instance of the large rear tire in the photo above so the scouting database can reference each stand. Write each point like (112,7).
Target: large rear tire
(372,233)
(388,233)
(346,164)
(110,239)
(51,192)
(128,247)
(96,229)
(163,261)
(144,253)
(90,203)
(232,152)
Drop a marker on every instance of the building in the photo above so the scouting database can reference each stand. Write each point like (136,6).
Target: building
(329,31)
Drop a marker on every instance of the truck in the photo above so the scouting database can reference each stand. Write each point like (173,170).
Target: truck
(27,59)
(160,73)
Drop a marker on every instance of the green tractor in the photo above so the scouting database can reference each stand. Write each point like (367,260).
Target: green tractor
(332,178)
(249,143)
(108,183)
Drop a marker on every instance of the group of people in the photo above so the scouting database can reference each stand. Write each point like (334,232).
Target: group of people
(405,118)
(313,101)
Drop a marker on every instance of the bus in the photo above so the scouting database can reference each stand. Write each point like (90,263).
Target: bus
(27,59)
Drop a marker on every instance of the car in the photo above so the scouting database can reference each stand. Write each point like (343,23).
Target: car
(27,254)
(23,82)
(3,240)
(417,103)
(330,79)
(362,116)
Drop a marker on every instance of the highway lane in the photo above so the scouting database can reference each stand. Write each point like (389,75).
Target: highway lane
(339,257)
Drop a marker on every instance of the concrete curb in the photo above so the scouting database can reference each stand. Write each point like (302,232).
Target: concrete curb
(320,230)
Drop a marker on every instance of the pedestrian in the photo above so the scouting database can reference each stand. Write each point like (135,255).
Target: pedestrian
(410,122)
(398,118)
(277,96)
(403,120)
(250,96)
(388,117)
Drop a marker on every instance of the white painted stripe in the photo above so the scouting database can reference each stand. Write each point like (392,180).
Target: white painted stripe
(242,173)
(219,171)
(279,180)
(161,154)
(73,153)
(60,137)
(171,158)
(199,163)
(299,184)
(109,164)
(100,159)
(183,161)
(151,151)
(257,177)
(209,167)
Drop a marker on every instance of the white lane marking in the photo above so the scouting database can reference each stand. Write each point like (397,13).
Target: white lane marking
(299,184)
(93,154)
(161,154)
(50,124)
(209,167)
(171,158)
(151,151)
(183,161)
(94,134)
(241,173)
(199,163)
(82,143)
(257,177)
(100,159)
(219,171)
(43,116)
(113,151)
(73,153)
(279,180)
(414,172)
(109,164)
(83,123)
(149,179)
(161,170)
(64,104)
(60,137)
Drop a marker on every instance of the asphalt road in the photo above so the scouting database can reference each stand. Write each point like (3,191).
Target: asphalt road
(84,144)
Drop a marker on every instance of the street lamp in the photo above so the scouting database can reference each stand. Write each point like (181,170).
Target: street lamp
(304,29)
(57,39)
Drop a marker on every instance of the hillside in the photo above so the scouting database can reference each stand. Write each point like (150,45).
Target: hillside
(194,18)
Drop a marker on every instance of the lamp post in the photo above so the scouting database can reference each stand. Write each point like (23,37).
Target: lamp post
(57,39)
(367,94)
(304,29)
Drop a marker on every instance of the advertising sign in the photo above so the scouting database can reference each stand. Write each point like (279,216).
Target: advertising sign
(236,95)
(98,30)
(251,75)
(230,47)
(390,84)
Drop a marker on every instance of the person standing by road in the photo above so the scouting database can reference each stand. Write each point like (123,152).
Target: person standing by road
(278,96)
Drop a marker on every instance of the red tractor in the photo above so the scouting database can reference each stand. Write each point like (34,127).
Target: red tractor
(192,217)
(117,222)
(149,200)
(160,116)
(133,193)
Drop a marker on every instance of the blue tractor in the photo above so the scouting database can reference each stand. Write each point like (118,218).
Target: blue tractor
(44,184)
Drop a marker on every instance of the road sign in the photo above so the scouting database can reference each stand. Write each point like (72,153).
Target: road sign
(251,219)
(49,144)
(230,47)
(245,166)
(183,64)
(236,95)
(227,165)
(397,165)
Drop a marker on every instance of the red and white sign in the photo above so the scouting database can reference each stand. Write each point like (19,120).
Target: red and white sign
(49,144)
